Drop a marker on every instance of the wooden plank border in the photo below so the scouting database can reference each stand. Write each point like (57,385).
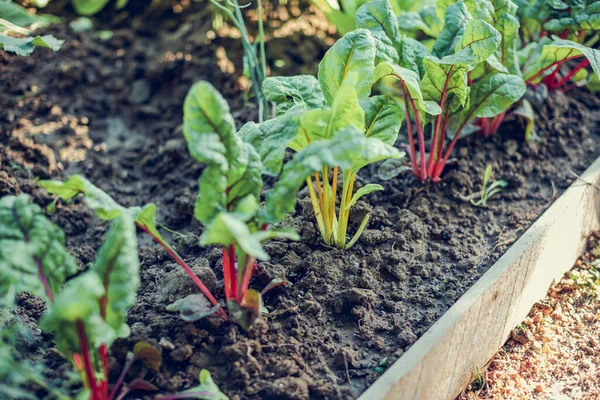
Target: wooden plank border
(445,359)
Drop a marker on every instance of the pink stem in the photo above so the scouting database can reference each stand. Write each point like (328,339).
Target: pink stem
(188,270)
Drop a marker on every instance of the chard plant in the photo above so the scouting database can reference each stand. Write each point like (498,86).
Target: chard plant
(86,313)
(335,127)
(107,208)
(228,200)
(446,88)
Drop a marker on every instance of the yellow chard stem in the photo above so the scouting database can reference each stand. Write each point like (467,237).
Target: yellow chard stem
(315,204)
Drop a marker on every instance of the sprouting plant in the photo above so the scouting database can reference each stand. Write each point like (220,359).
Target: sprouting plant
(207,389)
(460,79)
(89,313)
(18,21)
(335,127)
(488,189)
(255,61)
(145,218)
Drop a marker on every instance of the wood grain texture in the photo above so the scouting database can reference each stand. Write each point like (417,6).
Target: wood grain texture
(445,359)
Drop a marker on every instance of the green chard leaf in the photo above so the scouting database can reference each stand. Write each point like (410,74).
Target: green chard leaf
(383,118)
(88,7)
(560,50)
(227,229)
(78,305)
(508,26)
(270,139)
(289,92)
(369,188)
(33,256)
(411,81)
(345,111)
(25,46)
(479,41)
(378,17)
(206,390)
(455,22)
(440,75)
(117,264)
(349,149)
(494,94)
(355,52)
(234,167)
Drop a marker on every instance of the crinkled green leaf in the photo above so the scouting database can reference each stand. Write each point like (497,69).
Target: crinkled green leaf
(508,26)
(355,52)
(208,126)
(193,307)
(345,111)
(479,41)
(378,17)
(493,94)
(411,82)
(369,188)
(440,76)
(349,149)
(25,46)
(118,266)
(88,7)
(288,92)
(455,22)
(559,50)
(482,9)
(31,247)
(234,167)
(271,138)
(412,52)
(78,301)
(226,229)
(383,118)
(413,22)
(94,197)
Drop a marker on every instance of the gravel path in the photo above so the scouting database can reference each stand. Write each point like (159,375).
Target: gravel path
(555,352)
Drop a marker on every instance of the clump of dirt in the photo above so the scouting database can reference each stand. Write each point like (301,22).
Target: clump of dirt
(111,110)
(554,351)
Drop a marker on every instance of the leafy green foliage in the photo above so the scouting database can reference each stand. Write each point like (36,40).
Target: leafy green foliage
(33,256)
(488,189)
(206,390)
(231,183)
(89,312)
(465,76)
(348,131)
(107,208)
(25,46)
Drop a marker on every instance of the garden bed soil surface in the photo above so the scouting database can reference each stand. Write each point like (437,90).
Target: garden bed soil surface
(111,110)
(554,352)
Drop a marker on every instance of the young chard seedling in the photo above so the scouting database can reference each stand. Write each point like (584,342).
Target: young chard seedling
(89,313)
(107,208)
(488,191)
(335,126)
(229,190)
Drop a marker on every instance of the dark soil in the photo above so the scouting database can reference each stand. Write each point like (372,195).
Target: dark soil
(111,110)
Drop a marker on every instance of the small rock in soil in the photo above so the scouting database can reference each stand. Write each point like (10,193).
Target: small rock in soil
(182,353)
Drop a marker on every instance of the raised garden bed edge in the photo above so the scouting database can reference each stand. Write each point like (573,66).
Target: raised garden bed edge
(447,357)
